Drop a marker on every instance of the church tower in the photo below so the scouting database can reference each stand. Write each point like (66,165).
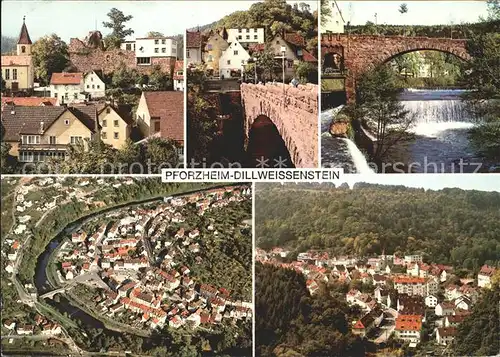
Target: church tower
(24,43)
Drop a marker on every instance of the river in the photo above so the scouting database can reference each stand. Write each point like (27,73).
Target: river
(441,141)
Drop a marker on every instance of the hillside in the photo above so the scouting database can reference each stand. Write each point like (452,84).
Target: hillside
(275,16)
(8,44)
(450,226)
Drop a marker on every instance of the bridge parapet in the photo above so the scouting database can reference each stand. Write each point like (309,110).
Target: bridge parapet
(294,112)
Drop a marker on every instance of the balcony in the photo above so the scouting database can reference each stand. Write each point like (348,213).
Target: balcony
(43,147)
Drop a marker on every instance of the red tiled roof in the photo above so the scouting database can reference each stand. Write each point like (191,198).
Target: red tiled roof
(66,78)
(408,280)
(487,270)
(29,101)
(308,57)
(295,39)
(447,331)
(169,107)
(16,61)
(409,323)
(193,39)
(179,67)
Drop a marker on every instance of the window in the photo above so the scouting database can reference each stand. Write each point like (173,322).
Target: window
(91,79)
(88,86)
(248,37)
(75,96)
(23,49)
(240,37)
(254,30)
(103,135)
(277,42)
(66,122)
(228,61)
(157,126)
(248,30)
(55,95)
(255,37)
(163,41)
(157,42)
(143,60)
(108,110)
(128,47)
(104,123)
(115,135)
(235,53)
(52,140)
(14,74)
(98,86)
(66,96)
(30,139)
(239,30)
(115,123)
(76,140)
(157,50)
(7,74)
(93,86)
(209,47)
(187,54)
(163,50)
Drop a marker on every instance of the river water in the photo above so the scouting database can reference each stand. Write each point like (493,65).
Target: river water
(441,141)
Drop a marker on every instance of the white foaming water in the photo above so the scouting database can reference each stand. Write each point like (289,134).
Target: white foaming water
(358,158)
(327,117)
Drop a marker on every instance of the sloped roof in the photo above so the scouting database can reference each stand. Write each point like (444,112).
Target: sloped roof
(169,107)
(409,323)
(27,120)
(179,66)
(16,61)
(29,101)
(193,39)
(295,38)
(447,331)
(308,57)
(66,78)
(24,36)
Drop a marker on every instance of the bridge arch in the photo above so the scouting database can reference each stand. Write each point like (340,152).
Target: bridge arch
(266,143)
(362,52)
(293,113)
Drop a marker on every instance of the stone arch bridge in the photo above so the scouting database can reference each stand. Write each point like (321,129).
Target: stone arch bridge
(355,54)
(294,112)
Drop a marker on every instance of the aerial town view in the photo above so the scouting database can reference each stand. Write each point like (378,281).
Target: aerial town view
(98,91)
(125,266)
(410,87)
(252,82)
(368,269)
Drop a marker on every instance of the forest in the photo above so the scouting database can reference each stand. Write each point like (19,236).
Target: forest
(290,322)
(449,226)
(479,333)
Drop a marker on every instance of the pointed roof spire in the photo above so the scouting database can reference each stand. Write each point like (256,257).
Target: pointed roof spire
(24,36)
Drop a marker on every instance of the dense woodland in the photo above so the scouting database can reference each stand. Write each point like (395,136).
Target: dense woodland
(479,333)
(450,226)
(292,323)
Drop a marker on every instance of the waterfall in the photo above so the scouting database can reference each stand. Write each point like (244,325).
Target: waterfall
(340,152)
(358,158)
(436,111)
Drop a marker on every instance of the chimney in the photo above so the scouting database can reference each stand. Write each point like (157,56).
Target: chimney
(13,109)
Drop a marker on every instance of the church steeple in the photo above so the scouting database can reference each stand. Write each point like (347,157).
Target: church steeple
(24,43)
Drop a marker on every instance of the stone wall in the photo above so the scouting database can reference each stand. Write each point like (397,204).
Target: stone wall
(294,111)
(362,52)
(86,59)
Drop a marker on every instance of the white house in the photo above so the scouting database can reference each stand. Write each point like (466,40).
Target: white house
(246,35)
(94,86)
(233,60)
(463,302)
(335,21)
(67,87)
(148,48)
(444,309)
(179,76)
(431,301)
(408,328)
(484,276)
(445,335)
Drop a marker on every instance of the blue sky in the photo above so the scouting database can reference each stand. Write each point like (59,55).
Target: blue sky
(75,18)
(419,12)
(481,182)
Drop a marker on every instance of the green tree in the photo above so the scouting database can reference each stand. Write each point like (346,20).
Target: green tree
(161,153)
(152,34)
(160,80)
(379,106)
(124,77)
(307,72)
(7,162)
(119,31)
(50,55)
(482,76)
